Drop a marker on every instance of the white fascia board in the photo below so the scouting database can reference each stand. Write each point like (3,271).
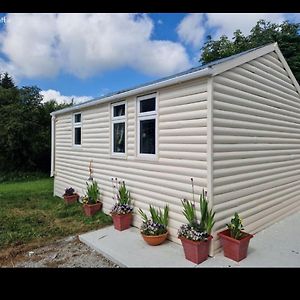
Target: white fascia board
(287,68)
(52,146)
(235,62)
(138,91)
(210,139)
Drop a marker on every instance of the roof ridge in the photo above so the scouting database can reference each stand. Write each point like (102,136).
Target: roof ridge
(174,76)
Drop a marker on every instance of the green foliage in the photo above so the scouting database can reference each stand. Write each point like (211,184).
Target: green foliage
(235,227)
(17,176)
(124,194)
(122,197)
(6,81)
(25,122)
(93,192)
(157,215)
(158,222)
(206,222)
(143,215)
(285,34)
(207,215)
(189,212)
(30,214)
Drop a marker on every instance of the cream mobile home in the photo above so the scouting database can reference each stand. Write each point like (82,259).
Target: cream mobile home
(233,125)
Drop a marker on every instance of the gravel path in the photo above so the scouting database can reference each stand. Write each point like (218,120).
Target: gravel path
(66,253)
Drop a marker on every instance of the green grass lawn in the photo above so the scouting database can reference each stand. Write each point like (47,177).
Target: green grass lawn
(30,215)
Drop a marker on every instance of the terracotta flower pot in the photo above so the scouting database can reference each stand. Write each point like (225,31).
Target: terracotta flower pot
(91,209)
(232,248)
(155,240)
(71,199)
(122,221)
(196,251)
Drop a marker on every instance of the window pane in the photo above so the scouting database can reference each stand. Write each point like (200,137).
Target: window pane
(147,136)
(119,110)
(147,105)
(78,118)
(77,136)
(119,137)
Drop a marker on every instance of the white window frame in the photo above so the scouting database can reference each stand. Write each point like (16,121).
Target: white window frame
(149,115)
(115,120)
(76,125)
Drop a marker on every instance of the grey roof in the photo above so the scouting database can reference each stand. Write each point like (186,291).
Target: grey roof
(192,70)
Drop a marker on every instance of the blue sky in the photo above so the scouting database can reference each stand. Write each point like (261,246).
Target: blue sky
(85,56)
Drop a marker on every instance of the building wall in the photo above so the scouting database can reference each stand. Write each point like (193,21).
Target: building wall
(256,150)
(182,147)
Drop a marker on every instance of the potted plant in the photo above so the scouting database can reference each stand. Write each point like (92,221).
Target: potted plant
(234,241)
(196,236)
(154,230)
(91,202)
(121,212)
(70,196)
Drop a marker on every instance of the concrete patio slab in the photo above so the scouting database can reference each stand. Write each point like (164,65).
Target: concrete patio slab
(128,249)
(276,246)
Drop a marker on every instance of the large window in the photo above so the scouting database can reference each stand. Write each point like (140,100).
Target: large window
(119,128)
(147,113)
(77,129)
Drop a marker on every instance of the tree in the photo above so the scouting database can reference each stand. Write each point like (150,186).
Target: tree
(25,124)
(6,81)
(285,34)
(8,91)
(43,157)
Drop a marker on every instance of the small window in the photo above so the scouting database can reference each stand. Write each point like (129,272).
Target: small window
(147,125)
(147,105)
(118,128)
(77,118)
(119,110)
(77,129)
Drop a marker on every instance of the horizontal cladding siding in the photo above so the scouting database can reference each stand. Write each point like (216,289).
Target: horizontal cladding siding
(256,159)
(181,152)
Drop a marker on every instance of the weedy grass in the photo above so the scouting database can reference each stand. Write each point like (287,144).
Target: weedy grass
(31,215)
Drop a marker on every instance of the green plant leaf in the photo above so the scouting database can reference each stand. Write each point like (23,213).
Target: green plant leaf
(143,215)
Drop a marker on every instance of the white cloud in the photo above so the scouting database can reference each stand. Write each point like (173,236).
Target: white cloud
(9,68)
(42,45)
(227,23)
(194,27)
(160,57)
(191,29)
(27,43)
(55,95)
